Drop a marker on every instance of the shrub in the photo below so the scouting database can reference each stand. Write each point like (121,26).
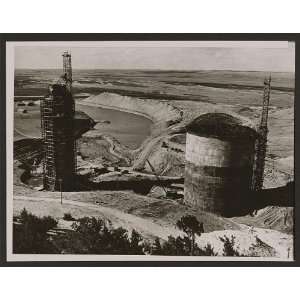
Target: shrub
(90,235)
(30,233)
(136,243)
(68,217)
(96,236)
(191,227)
(229,244)
(178,246)
(155,248)
(208,251)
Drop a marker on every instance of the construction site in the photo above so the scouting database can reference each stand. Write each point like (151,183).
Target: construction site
(209,160)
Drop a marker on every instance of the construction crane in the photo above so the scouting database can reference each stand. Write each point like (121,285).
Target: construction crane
(261,143)
(57,125)
(67,69)
(66,77)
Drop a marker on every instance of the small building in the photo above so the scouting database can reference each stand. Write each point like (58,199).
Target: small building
(220,153)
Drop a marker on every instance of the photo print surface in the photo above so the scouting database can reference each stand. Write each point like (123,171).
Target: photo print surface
(150,150)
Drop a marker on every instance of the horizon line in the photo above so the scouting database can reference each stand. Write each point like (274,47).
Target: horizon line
(178,70)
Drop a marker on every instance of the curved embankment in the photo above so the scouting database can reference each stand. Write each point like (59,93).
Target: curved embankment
(161,113)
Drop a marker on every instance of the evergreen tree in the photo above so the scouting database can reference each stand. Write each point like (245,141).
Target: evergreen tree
(191,227)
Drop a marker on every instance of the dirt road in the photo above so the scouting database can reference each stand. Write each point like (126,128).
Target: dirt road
(118,218)
(246,238)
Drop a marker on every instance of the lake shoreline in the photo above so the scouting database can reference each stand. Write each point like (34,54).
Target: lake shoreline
(92,104)
(159,112)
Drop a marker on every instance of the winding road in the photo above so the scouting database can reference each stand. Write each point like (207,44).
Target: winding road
(117,217)
(245,238)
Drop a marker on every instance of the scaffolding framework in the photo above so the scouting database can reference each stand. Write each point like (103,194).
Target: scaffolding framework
(67,70)
(59,144)
(261,143)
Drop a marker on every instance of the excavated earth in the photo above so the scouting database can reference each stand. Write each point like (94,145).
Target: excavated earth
(101,155)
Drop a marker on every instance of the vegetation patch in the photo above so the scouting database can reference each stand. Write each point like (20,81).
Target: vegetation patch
(90,235)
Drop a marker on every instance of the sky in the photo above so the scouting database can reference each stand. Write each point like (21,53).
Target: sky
(248,56)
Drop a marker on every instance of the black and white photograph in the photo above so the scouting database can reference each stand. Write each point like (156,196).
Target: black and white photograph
(150,150)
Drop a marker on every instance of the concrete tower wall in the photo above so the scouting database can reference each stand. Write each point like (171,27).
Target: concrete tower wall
(218,173)
(208,151)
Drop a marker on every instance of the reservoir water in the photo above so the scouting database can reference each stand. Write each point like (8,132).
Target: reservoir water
(129,129)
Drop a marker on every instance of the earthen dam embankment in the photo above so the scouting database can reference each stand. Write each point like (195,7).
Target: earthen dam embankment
(161,113)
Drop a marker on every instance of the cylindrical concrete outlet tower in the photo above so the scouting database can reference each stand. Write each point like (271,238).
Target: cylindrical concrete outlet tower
(219,164)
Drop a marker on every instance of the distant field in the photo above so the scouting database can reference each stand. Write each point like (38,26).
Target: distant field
(187,89)
(229,87)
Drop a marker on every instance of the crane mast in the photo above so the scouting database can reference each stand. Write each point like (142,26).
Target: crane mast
(261,143)
(67,70)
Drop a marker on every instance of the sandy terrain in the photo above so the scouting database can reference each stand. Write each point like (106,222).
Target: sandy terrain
(279,245)
(171,100)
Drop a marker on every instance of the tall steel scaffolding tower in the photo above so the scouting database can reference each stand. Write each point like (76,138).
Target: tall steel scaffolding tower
(57,124)
(67,70)
(261,143)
